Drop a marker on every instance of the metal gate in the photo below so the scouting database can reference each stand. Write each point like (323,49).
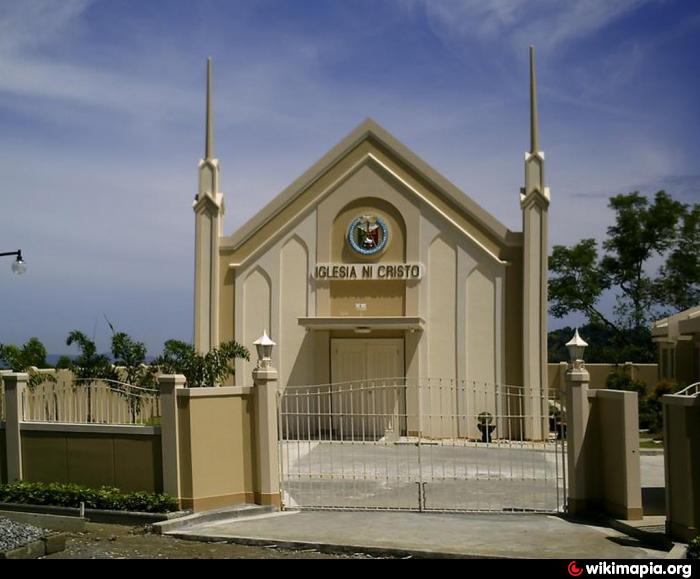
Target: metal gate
(423,445)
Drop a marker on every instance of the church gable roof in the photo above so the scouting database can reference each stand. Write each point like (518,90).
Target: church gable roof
(369,130)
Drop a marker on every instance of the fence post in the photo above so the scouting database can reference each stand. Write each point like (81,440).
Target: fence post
(170,444)
(14,390)
(563,367)
(577,416)
(265,381)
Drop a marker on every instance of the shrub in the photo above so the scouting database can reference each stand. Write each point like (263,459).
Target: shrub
(71,495)
(694,548)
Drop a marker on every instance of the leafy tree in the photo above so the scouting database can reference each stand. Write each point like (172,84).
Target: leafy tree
(28,358)
(642,232)
(200,370)
(679,282)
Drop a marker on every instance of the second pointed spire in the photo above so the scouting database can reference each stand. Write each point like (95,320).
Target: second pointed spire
(209,136)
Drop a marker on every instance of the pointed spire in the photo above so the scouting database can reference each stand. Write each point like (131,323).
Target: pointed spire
(534,123)
(209,137)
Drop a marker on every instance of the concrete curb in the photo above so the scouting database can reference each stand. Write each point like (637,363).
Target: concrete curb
(654,540)
(679,551)
(190,520)
(35,549)
(96,515)
(331,548)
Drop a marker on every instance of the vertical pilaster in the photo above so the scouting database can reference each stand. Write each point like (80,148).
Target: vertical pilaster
(577,417)
(170,438)
(266,400)
(15,384)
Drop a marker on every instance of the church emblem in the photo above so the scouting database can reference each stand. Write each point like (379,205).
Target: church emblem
(368,235)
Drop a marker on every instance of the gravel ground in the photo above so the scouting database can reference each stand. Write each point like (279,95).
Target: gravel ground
(121,542)
(13,535)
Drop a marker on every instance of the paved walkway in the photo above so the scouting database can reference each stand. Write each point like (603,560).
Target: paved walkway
(466,535)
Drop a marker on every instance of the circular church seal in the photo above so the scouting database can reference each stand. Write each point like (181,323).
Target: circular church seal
(368,235)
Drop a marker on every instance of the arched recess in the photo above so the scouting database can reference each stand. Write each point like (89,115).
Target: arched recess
(381,298)
(482,341)
(256,306)
(481,326)
(295,355)
(442,331)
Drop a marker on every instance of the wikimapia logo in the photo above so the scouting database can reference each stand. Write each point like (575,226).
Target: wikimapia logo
(636,569)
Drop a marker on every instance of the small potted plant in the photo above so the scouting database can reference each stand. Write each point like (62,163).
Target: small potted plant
(484,422)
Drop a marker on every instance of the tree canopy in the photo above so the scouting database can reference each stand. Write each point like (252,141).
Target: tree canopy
(644,232)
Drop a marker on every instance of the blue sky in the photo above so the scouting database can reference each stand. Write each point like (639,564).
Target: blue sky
(102,111)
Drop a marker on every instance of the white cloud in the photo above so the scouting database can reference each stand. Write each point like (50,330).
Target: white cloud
(550,24)
(28,24)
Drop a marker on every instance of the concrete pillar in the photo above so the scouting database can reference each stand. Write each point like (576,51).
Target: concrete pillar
(577,417)
(170,443)
(682,465)
(266,439)
(14,415)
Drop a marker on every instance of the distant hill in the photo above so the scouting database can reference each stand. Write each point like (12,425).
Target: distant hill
(601,346)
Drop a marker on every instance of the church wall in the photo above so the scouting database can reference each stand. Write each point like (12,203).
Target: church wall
(367,190)
(227,308)
(276,303)
(276,287)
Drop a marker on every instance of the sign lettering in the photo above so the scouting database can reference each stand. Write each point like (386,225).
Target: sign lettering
(364,271)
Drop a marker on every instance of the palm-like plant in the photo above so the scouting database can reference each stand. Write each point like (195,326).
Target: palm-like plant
(90,366)
(200,370)
(131,356)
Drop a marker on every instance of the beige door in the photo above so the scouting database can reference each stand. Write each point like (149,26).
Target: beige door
(368,400)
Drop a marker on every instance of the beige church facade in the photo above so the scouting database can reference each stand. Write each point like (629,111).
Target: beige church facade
(371,265)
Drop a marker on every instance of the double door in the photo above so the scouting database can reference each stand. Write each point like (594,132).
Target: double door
(368,392)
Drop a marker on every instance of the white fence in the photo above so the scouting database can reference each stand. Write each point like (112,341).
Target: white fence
(87,402)
(91,402)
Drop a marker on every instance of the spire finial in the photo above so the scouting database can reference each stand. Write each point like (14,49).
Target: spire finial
(534,124)
(209,137)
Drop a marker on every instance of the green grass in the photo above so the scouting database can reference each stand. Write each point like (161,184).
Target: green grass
(646,440)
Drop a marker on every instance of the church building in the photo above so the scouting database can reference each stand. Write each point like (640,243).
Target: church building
(373,265)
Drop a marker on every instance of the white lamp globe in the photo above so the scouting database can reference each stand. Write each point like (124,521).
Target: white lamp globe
(18,266)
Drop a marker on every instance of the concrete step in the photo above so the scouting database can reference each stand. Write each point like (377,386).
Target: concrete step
(213,516)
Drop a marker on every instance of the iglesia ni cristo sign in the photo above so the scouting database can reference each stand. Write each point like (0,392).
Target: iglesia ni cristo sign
(368,271)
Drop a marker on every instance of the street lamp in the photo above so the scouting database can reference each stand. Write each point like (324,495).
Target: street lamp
(18,265)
